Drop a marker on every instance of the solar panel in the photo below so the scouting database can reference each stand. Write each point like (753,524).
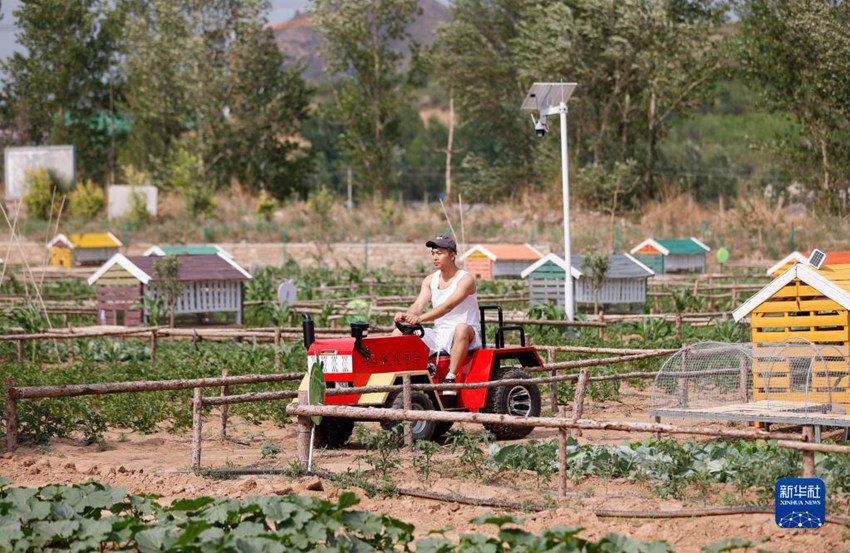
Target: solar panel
(545,96)
(816,259)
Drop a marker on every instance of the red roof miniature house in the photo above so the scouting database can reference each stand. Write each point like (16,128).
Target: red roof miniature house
(488,261)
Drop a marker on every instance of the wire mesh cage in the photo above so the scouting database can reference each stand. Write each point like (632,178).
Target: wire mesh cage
(796,379)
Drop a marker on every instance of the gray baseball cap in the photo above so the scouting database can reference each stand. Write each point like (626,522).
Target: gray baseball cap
(442,242)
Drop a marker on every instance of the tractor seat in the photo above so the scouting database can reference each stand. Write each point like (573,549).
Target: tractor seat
(447,354)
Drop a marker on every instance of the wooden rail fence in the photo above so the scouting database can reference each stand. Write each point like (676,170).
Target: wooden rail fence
(304,412)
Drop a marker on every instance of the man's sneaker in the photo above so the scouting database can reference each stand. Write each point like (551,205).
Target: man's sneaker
(449,380)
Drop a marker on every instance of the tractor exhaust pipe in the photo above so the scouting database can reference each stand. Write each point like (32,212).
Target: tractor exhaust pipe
(360,330)
(309,330)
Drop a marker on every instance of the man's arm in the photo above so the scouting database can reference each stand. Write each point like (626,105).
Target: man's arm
(418,306)
(465,288)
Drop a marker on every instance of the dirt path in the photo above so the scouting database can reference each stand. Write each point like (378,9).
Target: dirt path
(158,463)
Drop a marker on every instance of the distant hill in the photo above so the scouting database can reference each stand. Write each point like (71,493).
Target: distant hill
(299,40)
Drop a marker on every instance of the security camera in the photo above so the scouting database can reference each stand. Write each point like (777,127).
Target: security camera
(540,125)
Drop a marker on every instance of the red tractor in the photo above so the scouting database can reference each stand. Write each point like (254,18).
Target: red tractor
(381,361)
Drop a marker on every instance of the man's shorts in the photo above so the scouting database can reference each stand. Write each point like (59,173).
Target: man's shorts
(441,339)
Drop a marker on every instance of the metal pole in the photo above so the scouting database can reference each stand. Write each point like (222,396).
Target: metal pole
(283,239)
(565,178)
(366,250)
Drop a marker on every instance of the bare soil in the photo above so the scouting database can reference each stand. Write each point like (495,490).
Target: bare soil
(159,464)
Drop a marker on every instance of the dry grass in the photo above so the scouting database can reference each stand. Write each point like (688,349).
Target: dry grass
(753,229)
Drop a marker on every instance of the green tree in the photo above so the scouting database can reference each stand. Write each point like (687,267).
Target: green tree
(595,264)
(637,63)
(369,89)
(168,287)
(474,58)
(59,86)
(267,107)
(798,54)
(205,76)
(185,173)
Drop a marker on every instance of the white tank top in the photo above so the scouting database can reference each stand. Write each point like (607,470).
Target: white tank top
(464,312)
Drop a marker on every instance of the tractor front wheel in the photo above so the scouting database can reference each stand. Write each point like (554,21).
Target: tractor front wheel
(521,400)
(422,430)
(333,432)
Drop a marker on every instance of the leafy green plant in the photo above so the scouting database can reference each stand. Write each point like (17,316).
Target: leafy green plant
(684,300)
(270,450)
(321,202)
(266,206)
(167,285)
(186,173)
(596,265)
(44,198)
(424,460)
(93,427)
(155,308)
(472,457)
(538,457)
(261,286)
(652,330)
(93,516)
(87,200)
(383,447)
(138,213)
(729,330)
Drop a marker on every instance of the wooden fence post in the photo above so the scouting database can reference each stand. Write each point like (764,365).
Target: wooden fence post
(553,386)
(305,425)
(197,422)
(602,329)
(225,390)
(153,346)
(71,355)
(710,292)
(277,361)
(562,454)
(808,456)
(407,397)
(743,377)
(11,416)
(578,400)
(20,351)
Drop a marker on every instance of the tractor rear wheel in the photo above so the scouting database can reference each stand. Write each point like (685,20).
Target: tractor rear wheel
(333,432)
(422,430)
(521,400)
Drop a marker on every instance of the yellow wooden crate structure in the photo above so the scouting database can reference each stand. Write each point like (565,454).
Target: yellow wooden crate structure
(91,248)
(808,305)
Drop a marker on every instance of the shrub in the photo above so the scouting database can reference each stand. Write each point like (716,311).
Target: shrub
(135,177)
(87,200)
(186,174)
(321,202)
(44,198)
(138,208)
(266,206)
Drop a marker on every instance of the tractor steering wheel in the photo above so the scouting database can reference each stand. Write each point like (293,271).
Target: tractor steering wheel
(409,329)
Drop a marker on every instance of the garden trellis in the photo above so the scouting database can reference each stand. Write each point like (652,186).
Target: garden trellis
(792,382)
